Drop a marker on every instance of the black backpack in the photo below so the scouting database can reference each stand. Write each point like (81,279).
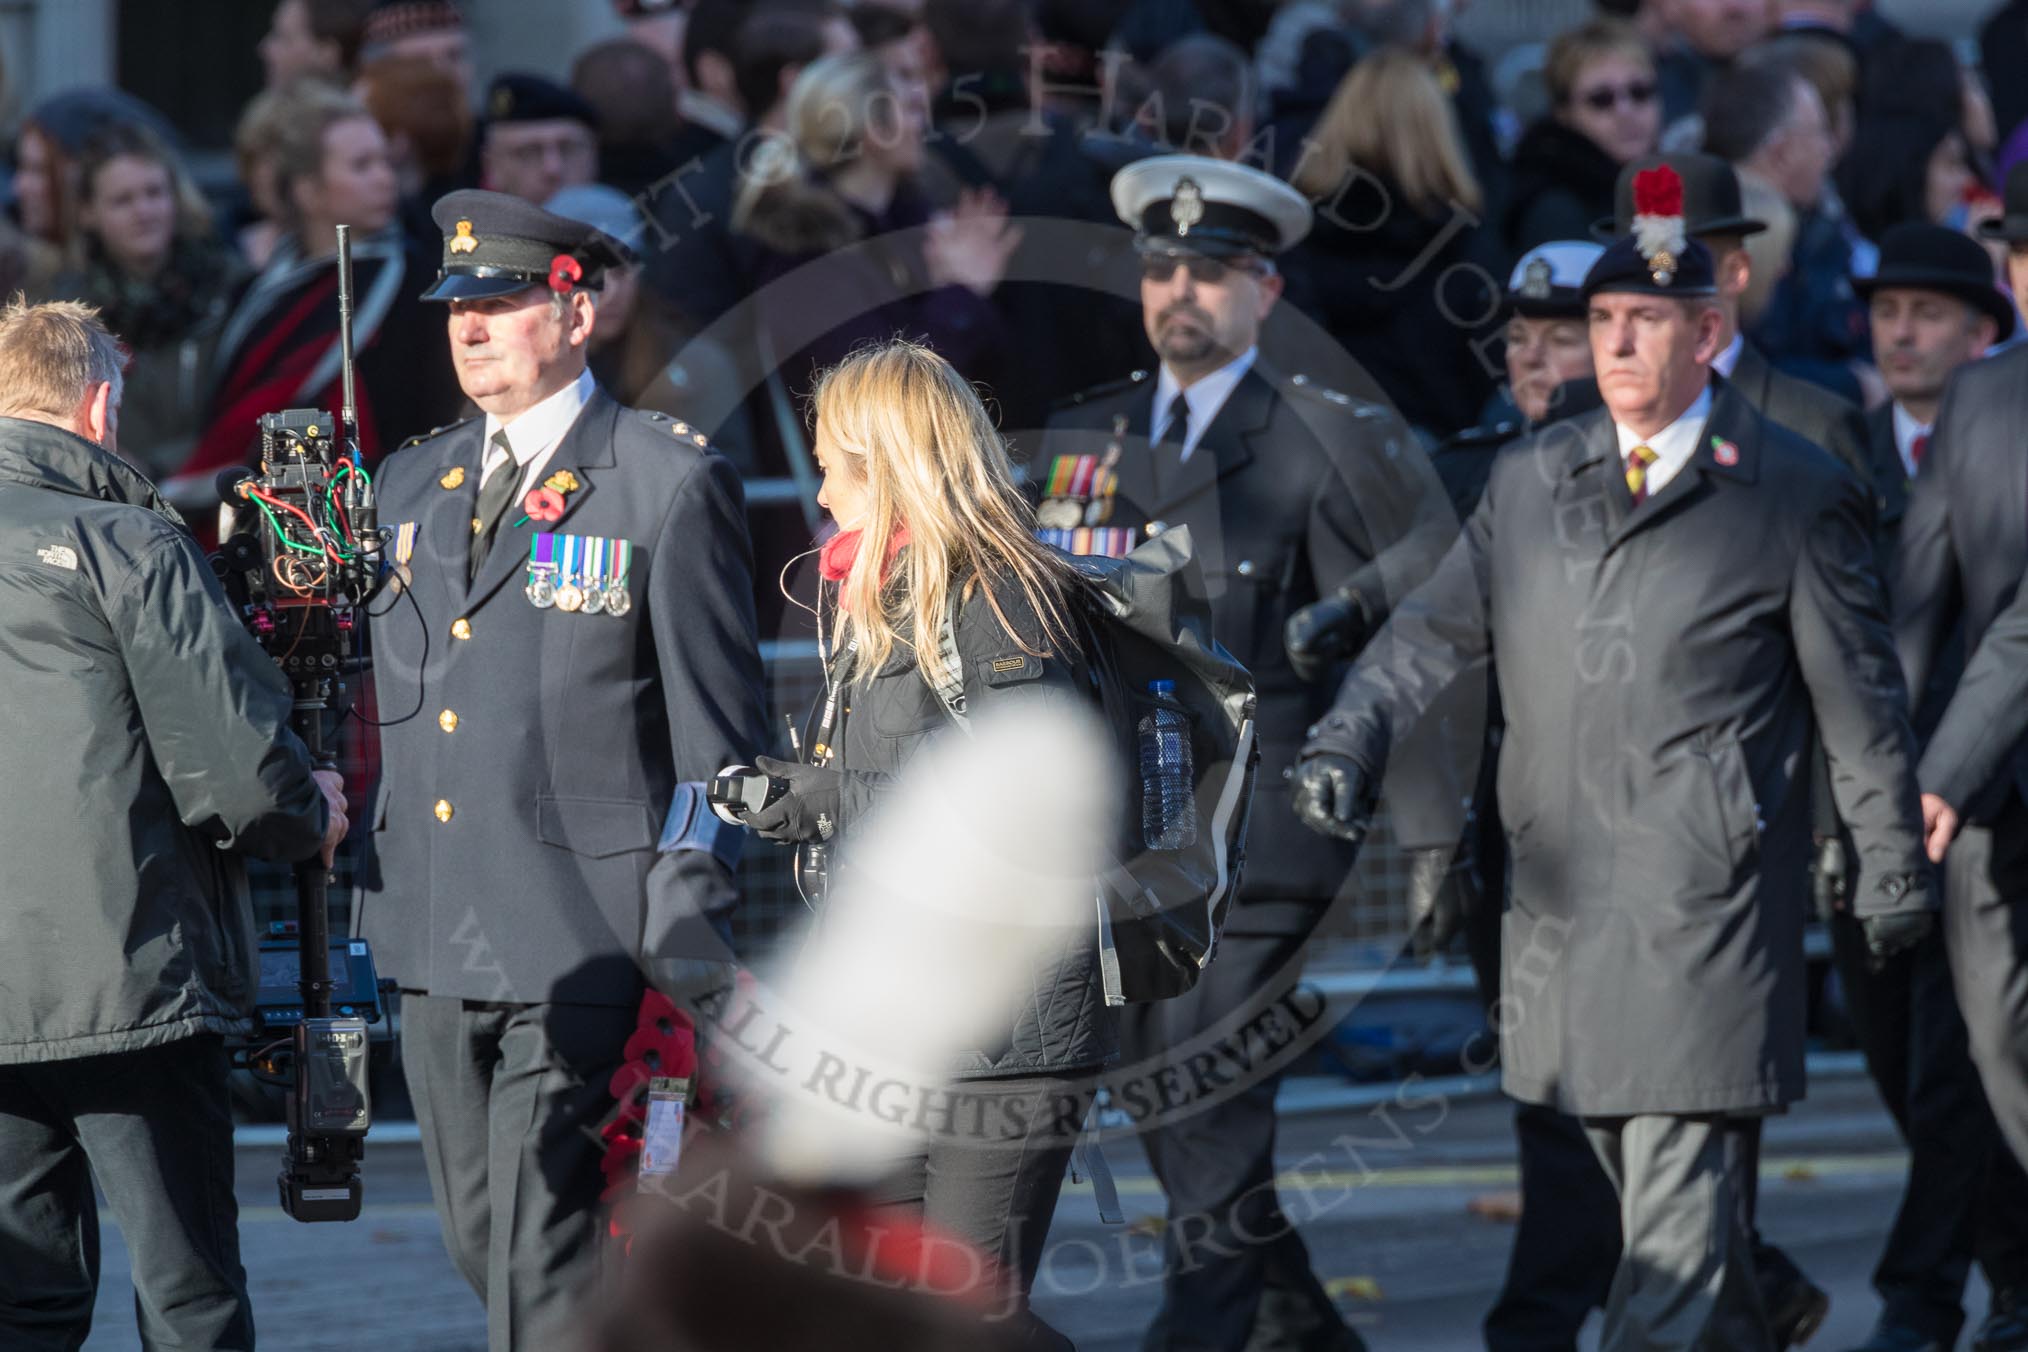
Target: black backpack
(1144,618)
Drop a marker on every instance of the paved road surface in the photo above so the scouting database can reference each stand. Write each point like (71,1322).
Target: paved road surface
(1416,1269)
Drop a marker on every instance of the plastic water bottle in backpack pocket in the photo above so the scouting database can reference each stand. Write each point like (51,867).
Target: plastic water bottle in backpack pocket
(1168,778)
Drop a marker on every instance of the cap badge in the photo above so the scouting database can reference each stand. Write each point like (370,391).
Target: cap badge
(1658,221)
(463,241)
(1537,280)
(1186,208)
(503,101)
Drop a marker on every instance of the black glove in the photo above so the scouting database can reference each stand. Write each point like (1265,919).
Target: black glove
(1441,891)
(1887,935)
(1322,633)
(807,809)
(1332,797)
(1903,928)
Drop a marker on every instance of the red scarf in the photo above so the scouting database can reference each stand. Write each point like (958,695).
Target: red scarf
(841,551)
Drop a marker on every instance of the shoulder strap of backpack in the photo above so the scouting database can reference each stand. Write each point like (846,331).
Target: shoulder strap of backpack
(951,689)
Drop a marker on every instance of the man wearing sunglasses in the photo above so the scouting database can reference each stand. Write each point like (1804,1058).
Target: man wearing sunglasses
(1289,491)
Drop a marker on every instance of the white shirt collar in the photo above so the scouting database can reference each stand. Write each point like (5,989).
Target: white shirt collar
(1728,359)
(1906,430)
(1674,446)
(1204,397)
(537,432)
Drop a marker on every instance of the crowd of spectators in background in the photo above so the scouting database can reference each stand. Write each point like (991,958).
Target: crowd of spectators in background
(800,175)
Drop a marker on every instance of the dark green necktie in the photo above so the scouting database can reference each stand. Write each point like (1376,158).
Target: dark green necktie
(494,495)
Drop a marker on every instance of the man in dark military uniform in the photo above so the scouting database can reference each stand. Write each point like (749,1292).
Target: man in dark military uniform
(1934,309)
(576,639)
(1289,491)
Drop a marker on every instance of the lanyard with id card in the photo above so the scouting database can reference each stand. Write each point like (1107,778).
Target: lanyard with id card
(662,1133)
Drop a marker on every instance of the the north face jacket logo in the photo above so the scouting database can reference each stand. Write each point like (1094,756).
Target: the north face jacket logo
(58,556)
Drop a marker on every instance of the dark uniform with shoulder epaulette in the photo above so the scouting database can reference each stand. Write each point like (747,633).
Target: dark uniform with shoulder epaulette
(540,830)
(1289,491)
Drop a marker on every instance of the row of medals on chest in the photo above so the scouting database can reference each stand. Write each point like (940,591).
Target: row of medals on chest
(584,592)
(1089,503)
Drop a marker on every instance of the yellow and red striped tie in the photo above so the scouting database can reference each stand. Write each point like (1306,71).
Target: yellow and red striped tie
(1638,461)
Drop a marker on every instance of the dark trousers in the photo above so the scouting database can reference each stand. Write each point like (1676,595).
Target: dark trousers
(1686,1274)
(510,1099)
(1238,1275)
(992,1179)
(154,1127)
(1986,936)
(1966,1196)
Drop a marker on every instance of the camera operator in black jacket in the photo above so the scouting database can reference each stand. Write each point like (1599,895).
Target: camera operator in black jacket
(147,749)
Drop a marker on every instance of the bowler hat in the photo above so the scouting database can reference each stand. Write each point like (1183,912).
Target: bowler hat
(1711,200)
(2012,226)
(1919,256)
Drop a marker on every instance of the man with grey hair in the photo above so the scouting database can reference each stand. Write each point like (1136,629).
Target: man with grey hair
(159,753)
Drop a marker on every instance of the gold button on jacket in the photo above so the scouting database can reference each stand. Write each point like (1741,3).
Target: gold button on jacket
(448,721)
(443,809)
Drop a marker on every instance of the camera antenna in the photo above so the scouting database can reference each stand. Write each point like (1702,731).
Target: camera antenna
(348,414)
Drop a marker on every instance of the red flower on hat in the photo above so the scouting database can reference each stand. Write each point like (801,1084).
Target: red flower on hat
(564,273)
(1658,192)
(543,504)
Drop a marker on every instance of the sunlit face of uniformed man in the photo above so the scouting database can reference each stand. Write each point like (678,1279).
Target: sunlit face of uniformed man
(512,352)
(1201,312)
(1653,355)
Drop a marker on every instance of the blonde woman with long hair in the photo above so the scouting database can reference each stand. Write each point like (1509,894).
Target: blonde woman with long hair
(1398,268)
(833,197)
(935,555)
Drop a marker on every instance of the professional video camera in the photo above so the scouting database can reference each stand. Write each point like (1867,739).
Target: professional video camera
(302,561)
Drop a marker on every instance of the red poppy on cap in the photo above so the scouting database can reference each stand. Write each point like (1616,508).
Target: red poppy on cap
(564,273)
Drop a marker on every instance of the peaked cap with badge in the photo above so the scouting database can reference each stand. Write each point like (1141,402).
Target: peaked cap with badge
(1548,280)
(1195,204)
(496,244)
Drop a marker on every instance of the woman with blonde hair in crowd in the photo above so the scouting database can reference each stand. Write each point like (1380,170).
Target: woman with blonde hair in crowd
(147,257)
(835,196)
(935,585)
(1397,268)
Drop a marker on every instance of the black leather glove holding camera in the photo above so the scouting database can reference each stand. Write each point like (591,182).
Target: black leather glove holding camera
(807,808)
(1325,632)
